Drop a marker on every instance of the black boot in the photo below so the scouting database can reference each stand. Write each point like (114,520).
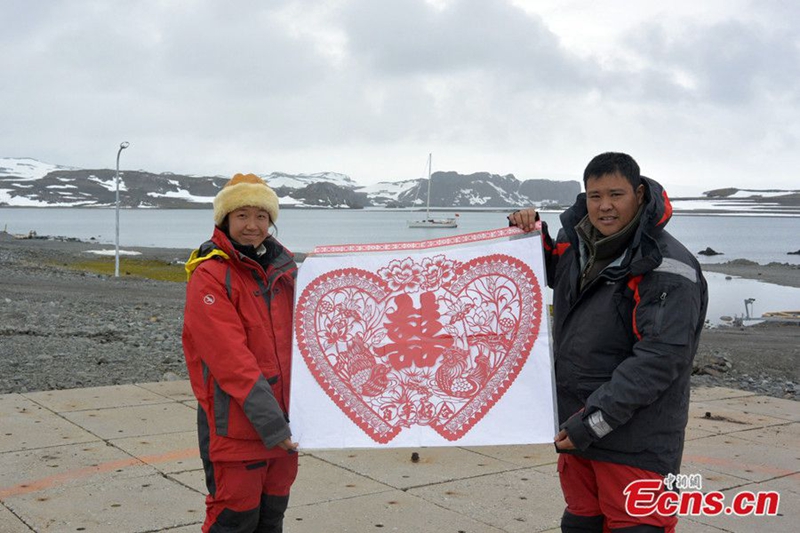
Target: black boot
(641,528)
(270,518)
(572,523)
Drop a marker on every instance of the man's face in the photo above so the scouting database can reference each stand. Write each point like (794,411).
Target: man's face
(612,202)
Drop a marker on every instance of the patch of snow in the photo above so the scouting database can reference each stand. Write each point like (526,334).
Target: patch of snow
(61,187)
(184,194)
(708,205)
(298,181)
(388,189)
(27,169)
(473,198)
(113,252)
(111,184)
(479,200)
(750,193)
(288,200)
(21,201)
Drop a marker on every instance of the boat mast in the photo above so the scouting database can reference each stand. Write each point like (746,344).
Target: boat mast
(428,203)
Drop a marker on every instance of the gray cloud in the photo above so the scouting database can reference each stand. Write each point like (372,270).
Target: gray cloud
(207,85)
(730,63)
(415,38)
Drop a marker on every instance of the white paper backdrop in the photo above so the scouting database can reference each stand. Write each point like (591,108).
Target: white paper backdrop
(424,344)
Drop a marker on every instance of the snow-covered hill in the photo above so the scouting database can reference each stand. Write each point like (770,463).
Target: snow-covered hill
(31,183)
(27,182)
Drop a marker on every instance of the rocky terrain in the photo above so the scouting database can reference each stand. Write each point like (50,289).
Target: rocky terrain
(62,328)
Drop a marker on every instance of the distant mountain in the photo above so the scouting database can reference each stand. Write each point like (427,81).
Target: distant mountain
(31,183)
(768,197)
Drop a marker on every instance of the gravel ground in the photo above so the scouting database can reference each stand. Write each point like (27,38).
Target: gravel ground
(62,329)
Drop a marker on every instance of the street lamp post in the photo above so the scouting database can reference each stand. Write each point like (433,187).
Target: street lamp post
(122,146)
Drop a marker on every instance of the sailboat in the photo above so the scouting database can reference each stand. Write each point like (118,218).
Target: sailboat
(429,222)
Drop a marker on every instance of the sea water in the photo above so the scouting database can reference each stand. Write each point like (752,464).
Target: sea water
(759,239)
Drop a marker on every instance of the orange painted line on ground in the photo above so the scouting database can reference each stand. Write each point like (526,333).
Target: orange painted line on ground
(71,475)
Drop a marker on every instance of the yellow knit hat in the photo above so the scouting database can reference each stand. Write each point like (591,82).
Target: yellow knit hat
(245,190)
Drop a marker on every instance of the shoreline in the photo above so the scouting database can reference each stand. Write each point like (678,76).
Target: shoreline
(786,274)
(66,328)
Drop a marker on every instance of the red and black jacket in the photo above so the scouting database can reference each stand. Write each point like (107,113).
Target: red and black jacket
(624,345)
(237,340)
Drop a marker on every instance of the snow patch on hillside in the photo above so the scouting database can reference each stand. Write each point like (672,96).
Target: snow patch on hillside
(280,179)
(27,169)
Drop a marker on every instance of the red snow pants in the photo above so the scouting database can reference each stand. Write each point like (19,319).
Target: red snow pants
(248,496)
(594,492)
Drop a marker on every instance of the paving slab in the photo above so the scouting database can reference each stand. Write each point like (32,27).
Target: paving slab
(179,391)
(520,455)
(775,407)
(168,452)
(738,457)
(712,479)
(395,511)
(784,485)
(319,481)
(516,502)
(193,479)
(136,421)
(134,505)
(688,525)
(75,464)
(693,433)
(717,393)
(785,436)
(57,475)
(10,523)
(62,401)
(27,425)
(550,470)
(716,417)
(787,521)
(194,528)
(394,466)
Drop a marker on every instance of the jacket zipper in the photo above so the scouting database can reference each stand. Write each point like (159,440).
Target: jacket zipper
(660,313)
(262,280)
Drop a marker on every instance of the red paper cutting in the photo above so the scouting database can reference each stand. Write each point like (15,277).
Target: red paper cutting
(432,343)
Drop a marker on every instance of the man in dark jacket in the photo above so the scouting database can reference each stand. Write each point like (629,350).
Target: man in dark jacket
(629,304)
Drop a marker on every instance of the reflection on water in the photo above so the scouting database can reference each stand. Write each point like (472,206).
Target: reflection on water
(726,297)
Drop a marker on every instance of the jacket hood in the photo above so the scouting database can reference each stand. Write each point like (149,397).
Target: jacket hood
(658,209)
(209,250)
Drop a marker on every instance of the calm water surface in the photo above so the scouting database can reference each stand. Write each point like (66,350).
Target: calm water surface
(760,239)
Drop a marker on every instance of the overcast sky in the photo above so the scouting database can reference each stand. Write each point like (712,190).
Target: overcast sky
(703,94)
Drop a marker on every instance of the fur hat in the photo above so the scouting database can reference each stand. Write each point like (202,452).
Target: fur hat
(245,190)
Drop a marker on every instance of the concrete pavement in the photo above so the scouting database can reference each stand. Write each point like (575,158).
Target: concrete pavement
(124,459)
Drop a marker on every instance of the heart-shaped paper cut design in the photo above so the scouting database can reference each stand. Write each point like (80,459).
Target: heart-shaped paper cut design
(435,343)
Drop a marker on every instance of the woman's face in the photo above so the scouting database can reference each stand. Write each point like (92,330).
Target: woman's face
(249,225)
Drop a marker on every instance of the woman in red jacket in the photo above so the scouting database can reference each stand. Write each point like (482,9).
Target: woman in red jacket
(237,340)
